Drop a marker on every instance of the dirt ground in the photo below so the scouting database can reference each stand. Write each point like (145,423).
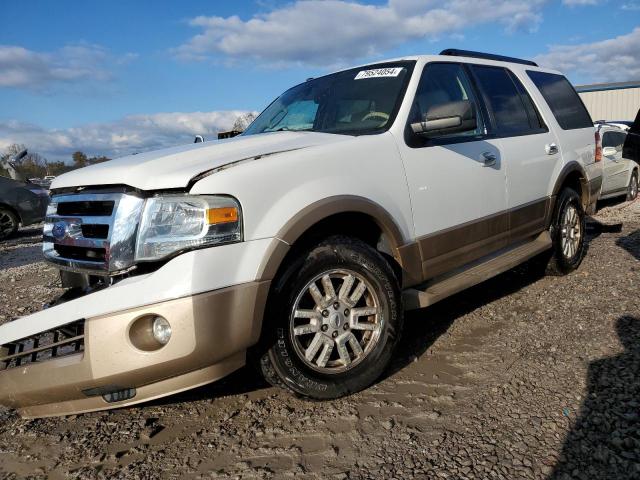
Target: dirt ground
(520,377)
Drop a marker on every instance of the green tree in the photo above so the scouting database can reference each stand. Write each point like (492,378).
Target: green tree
(79,159)
(57,168)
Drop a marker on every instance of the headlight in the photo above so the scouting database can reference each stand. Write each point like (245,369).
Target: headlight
(179,222)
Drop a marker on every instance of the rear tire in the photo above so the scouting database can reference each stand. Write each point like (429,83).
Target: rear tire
(632,190)
(333,320)
(9,223)
(568,227)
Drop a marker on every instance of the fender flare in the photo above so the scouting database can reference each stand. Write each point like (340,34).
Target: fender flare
(586,185)
(405,254)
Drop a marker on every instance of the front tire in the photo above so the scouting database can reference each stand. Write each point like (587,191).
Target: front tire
(568,227)
(632,190)
(333,320)
(8,223)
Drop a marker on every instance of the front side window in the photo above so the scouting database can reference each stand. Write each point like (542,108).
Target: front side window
(562,99)
(354,102)
(511,113)
(444,83)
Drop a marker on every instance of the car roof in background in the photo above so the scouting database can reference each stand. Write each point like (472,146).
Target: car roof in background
(610,128)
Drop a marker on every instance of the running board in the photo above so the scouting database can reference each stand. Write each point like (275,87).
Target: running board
(442,287)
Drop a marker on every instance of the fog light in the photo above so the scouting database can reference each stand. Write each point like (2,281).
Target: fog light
(161,330)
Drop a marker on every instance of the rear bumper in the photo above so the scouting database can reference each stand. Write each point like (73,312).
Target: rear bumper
(211,332)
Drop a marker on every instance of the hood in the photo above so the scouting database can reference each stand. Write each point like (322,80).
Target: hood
(175,167)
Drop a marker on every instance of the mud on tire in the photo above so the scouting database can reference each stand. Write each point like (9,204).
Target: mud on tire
(568,228)
(291,359)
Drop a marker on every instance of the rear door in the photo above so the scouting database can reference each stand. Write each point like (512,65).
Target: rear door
(529,149)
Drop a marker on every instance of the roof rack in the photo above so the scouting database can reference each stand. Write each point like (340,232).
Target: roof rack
(454,52)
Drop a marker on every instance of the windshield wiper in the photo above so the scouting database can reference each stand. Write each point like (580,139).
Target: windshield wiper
(287,129)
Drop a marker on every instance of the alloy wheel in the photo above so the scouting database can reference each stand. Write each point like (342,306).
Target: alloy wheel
(570,231)
(336,321)
(7,225)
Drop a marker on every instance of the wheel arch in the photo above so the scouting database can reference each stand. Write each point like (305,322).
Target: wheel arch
(574,176)
(349,215)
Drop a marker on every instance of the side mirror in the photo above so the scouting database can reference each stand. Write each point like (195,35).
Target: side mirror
(609,151)
(447,118)
(198,139)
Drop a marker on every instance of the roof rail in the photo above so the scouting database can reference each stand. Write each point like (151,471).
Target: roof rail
(454,52)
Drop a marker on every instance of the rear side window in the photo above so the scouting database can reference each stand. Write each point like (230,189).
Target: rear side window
(563,100)
(512,108)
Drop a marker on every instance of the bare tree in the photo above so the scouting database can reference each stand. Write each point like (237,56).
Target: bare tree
(8,165)
(243,121)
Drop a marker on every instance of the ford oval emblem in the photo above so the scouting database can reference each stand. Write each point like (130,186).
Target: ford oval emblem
(59,230)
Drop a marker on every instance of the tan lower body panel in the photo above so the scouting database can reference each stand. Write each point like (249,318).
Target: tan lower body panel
(146,393)
(210,335)
(449,249)
(447,285)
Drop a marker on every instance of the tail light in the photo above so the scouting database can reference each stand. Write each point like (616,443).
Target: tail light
(598,147)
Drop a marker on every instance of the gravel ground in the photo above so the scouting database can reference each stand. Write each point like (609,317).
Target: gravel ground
(520,377)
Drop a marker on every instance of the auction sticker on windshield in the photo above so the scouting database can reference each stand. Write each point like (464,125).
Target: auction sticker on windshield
(379,72)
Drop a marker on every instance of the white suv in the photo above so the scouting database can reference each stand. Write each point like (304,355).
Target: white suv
(299,244)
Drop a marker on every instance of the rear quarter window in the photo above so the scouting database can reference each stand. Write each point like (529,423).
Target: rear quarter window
(563,100)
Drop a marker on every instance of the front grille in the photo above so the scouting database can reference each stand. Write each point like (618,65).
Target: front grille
(81,253)
(95,231)
(55,343)
(87,208)
(92,233)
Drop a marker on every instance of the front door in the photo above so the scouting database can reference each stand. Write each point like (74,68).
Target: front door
(457,182)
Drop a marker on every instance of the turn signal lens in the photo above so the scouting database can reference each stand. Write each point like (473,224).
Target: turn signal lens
(216,216)
(598,147)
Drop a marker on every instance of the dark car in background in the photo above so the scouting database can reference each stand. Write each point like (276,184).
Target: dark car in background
(631,148)
(21,203)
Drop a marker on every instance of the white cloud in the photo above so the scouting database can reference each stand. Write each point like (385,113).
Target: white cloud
(612,60)
(316,32)
(23,68)
(134,133)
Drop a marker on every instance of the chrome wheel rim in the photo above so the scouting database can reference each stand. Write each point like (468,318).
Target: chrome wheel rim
(6,224)
(634,187)
(336,321)
(570,231)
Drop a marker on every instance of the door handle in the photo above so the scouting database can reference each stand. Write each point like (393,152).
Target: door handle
(489,159)
(551,148)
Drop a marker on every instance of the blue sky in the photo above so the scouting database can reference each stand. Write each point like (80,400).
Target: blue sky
(121,76)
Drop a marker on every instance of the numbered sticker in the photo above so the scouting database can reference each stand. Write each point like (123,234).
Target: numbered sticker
(379,73)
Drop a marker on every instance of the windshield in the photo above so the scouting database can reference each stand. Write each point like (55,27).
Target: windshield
(355,102)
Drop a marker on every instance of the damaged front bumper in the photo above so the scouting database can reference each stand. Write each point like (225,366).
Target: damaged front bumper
(95,353)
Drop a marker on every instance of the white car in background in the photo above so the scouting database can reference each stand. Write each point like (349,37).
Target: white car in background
(623,125)
(620,175)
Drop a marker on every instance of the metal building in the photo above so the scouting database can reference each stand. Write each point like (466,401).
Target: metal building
(611,101)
